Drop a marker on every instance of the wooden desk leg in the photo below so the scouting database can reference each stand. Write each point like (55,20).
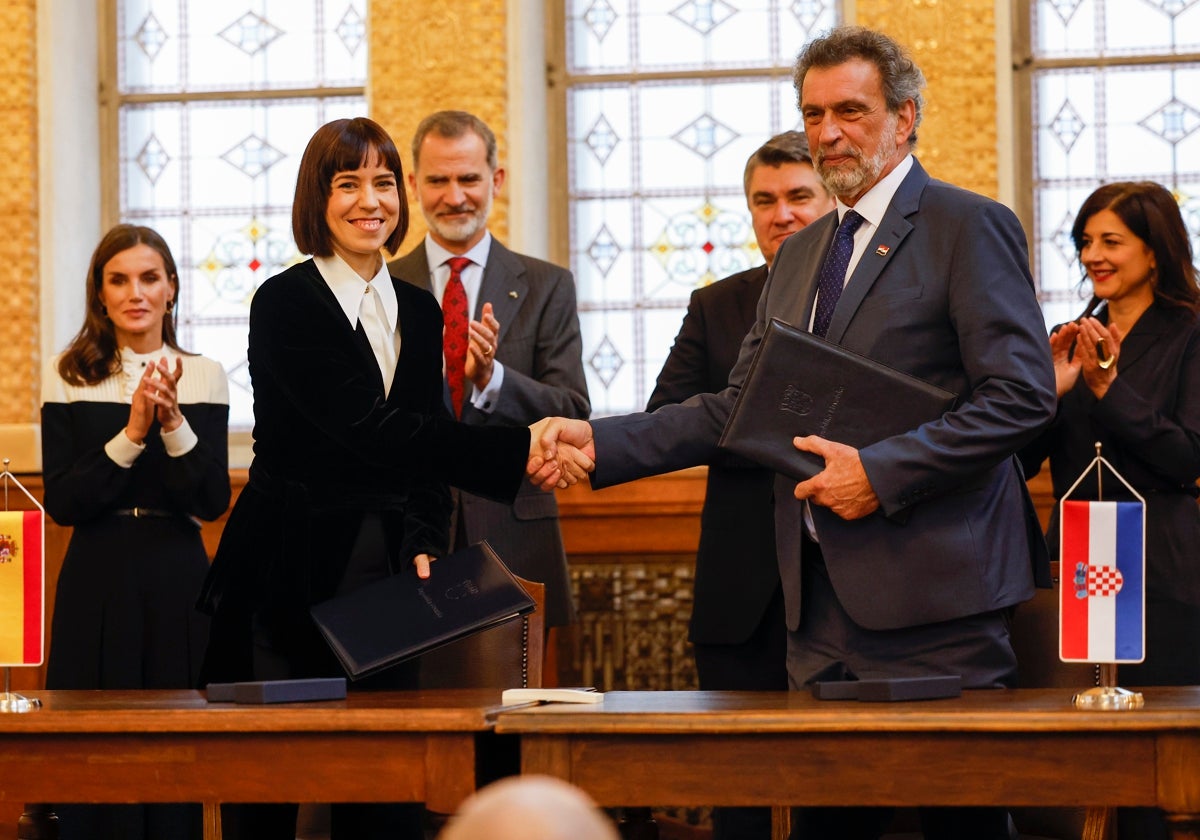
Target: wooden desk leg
(1099,823)
(212,821)
(781,822)
(38,822)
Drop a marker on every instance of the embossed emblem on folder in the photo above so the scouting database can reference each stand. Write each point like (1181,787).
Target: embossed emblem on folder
(799,385)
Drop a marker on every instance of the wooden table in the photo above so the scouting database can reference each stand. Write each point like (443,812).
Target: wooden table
(173,746)
(1019,747)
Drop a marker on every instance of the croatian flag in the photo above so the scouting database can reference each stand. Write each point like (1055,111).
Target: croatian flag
(1102,571)
(22,594)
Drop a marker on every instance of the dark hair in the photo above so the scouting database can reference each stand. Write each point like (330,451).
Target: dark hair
(91,356)
(902,78)
(1152,214)
(451,125)
(788,147)
(340,146)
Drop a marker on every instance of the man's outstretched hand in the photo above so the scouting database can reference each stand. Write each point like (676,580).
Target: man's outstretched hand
(561,452)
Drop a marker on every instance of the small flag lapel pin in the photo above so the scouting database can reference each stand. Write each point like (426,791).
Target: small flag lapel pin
(882,251)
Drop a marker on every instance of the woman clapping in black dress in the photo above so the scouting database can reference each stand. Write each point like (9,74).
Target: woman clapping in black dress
(134,449)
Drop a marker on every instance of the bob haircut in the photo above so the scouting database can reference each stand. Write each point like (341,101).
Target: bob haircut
(340,146)
(1152,214)
(91,357)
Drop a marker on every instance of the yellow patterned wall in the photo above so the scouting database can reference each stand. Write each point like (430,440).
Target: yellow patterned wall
(432,55)
(953,42)
(19,335)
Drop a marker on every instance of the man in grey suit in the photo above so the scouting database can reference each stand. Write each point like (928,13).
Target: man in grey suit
(524,359)
(905,557)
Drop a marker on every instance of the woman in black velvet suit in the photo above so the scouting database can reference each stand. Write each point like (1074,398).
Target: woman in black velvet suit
(1144,409)
(349,479)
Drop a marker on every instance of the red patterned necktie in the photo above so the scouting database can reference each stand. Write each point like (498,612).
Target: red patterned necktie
(454,332)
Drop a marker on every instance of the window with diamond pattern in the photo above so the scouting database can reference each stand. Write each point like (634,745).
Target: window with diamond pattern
(665,101)
(215,102)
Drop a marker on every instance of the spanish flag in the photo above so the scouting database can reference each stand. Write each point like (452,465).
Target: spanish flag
(22,601)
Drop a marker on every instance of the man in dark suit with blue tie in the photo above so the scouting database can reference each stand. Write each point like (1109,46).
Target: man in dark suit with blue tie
(905,557)
(736,629)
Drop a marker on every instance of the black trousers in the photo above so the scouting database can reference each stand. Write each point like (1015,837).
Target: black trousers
(829,645)
(348,821)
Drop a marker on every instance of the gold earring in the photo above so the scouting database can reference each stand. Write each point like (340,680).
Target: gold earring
(170,306)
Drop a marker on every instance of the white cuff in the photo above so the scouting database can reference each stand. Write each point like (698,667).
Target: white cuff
(123,451)
(181,441)
(486,399)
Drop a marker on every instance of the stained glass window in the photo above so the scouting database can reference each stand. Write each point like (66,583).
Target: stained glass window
(665,100)
(216,100)
(1115,96)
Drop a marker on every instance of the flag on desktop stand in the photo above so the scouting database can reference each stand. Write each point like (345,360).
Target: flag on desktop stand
(21,589)
(1102,591)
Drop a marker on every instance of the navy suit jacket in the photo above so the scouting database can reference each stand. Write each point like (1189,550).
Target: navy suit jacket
(943,292)
(736,572)
(541,350)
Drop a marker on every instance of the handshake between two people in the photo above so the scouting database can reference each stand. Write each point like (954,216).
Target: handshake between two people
(562,452)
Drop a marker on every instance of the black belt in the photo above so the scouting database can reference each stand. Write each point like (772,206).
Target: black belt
(139,512)
(156,513)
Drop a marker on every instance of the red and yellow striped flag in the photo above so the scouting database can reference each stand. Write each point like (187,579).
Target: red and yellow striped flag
(22,595)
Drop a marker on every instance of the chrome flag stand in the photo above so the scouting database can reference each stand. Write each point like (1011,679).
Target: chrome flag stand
(11,548)
(1102,552)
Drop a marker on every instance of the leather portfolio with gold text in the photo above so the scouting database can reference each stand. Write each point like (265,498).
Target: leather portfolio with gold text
(799,384)
(402,616)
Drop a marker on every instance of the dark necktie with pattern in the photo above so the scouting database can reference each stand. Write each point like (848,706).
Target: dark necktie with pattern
(455,331)
(832,278)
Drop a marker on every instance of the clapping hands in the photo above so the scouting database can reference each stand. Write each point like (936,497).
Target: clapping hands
(1086,348)
(156,396)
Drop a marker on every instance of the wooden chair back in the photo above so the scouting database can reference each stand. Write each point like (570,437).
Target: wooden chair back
(508,656)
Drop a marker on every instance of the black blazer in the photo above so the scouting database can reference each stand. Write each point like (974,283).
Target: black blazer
(1149,427)
(327,448)
(736,571)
